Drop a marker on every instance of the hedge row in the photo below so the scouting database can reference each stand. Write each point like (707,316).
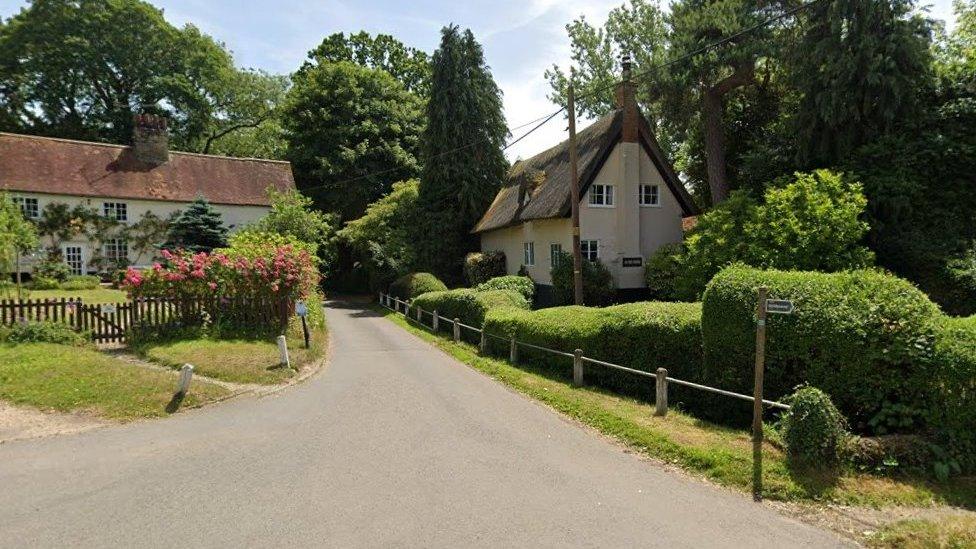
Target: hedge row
(411,285)
(954,407)
(642,336)
(520,284)
(468,305)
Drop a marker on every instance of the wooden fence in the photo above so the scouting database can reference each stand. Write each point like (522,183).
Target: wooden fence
(117,322)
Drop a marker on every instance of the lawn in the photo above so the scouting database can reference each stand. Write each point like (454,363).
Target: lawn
(235,360)
(98,295)
(947,532)
(721,454)
(66,379)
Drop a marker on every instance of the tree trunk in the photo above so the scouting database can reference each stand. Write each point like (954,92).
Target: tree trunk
(718,179)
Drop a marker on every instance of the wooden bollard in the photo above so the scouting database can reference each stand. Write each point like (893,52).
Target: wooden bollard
(483,344)
(437,320)
(578,367)
(457,330)
(419,313)
(186,374)
(513,351)
(661,392)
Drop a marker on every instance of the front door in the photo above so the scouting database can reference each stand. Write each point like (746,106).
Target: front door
(72,256)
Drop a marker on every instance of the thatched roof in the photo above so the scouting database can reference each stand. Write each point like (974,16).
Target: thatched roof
(539,187)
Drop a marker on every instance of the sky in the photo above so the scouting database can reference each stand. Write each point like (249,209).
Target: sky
(521,38)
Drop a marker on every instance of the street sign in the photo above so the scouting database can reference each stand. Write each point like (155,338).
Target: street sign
(301,309)
(779,306)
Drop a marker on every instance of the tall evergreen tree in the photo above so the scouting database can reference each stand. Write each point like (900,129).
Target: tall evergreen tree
(199,228)
(457,185)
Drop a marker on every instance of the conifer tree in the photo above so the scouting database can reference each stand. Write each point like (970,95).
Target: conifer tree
(199,228)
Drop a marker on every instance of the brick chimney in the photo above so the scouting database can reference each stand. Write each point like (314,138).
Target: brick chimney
(626,96)
(150,139)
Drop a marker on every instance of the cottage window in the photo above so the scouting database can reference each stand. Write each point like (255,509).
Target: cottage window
(118,211)
(73,258)
(117,250)
(601,195)
(28,206)
(528,251)
(555,253)
(649,195)
(589,249)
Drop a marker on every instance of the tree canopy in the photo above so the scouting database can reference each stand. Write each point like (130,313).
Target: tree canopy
(408,65)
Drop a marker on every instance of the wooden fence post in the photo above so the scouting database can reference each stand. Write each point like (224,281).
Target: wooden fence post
(419,313)
(578,367)
(457,330)
(757,404)
(437,321)
(513,351)
(661,392)
(483,344)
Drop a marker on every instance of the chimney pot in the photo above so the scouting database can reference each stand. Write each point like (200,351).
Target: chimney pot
(150,139)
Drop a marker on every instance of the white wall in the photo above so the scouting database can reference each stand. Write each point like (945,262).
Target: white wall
(235,217)
(542,233)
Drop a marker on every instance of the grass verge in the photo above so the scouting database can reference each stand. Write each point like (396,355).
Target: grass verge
(236,360)
(96,296)
(69,379)
(956,532)
(721,454)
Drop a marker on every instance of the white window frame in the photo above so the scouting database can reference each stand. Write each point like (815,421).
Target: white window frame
(555,252)
(528,254)
(115,249)
(588,247)
(602,199)
(80,270)
(118,211)
(652,199)
(30,207)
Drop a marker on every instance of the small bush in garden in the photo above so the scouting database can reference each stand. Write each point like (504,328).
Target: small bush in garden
(597,282)
(663,270)
(814,430)
(44,283)
(52,268)
(85,282)
(411,285)
(480,267)
(953,413)
(520,284)
(43,332)
(468,305)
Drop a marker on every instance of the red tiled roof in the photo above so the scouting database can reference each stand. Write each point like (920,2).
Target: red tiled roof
(60,166)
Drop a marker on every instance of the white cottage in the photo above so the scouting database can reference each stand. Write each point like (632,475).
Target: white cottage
(631,200)
(125,182)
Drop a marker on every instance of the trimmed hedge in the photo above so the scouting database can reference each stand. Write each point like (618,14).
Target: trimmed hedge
(642,336)
(470,306)
(520,284)
(814,430)
(481,267)
(411,285)
(866,338)
(954,409)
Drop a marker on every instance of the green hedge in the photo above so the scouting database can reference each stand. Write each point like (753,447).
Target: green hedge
(411,285)
(81,282)
(642,336)
(520,284)
(480,267)
(953,413)
(470,306)
(864,337)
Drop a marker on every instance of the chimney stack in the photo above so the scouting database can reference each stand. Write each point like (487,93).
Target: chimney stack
(626,96)
(150,139)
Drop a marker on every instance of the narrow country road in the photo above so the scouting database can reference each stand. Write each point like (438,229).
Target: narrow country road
(394,445)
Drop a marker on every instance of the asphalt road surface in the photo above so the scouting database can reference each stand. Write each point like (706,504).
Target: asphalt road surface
(394,445)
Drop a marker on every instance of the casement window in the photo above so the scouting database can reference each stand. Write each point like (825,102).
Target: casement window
(73,258)
(28,206)
(601,195)
(117,250)
(649,195)
(118,211)
(555,253)
(589,249)
(528,252)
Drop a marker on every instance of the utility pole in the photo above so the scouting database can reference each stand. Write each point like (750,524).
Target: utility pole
(757,395)
(575,198)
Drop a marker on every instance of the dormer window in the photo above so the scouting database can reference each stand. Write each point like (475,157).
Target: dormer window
(601,196)
(118,211)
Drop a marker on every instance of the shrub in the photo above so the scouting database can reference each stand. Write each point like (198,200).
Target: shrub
(411,285)
(663,270)
(642,336)
(520,284)
(468,305)
(864,337)
(43,332)
(597,282)
(52,268)
(480,267)
(85,282)
(813,429)
(953,414)
(44,283)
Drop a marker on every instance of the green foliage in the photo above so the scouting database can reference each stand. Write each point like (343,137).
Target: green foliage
(40,282)
(52,268)
(811,222)
(480,267)
(467,305)
(643,336)
(42,332)
(293,215)
(81,282)
(521,284)
(244,121)
(198,228)
(663,269)
(352,132)
(465,108)
(147,235)
(954,411)
(17,234)
(381,240)
(411,285)
(864,337)
(814,430)
(597,282)
(408,65)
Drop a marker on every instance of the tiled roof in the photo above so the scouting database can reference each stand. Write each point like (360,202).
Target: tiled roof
(61,166)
